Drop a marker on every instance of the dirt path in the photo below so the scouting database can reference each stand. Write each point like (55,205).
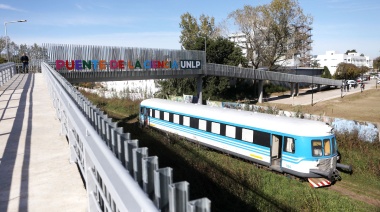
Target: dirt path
(359,106)
(371,196)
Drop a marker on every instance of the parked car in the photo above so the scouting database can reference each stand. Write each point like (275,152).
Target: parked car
(359,79)
(378,81)
(352,83)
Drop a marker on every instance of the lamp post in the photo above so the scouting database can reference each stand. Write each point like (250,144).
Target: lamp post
(6,38)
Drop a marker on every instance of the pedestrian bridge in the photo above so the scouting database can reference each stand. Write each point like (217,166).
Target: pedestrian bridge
(83,64)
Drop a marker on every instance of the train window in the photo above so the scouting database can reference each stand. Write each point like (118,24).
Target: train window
(202,124)
(289,145)
(326,146)
(141,110)
(316,148)
(166,116)
(230,131)
(161,115)
(247,135)
(215,128)
(156,114)
(261,138)
(194,123)
(181,119)
(176,118)
(171,117)
(186,121)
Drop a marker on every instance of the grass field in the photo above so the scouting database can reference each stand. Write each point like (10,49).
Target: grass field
(233,184)
(359,106)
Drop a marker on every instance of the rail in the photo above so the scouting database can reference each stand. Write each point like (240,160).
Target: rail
(119,175)
(249,73)
(7,71)
(212,69)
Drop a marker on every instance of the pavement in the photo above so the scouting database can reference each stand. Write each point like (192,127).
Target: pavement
(35,171)
(308,96)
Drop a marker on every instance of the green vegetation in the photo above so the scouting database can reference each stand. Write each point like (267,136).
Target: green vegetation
(349,71)
(233,184)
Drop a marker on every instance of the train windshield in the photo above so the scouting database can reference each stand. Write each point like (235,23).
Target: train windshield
(334,146)
(316,148)
(325,147)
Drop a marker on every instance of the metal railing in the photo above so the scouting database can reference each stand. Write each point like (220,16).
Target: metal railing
(119,175)
(249,73)
(7,71)
(212,69)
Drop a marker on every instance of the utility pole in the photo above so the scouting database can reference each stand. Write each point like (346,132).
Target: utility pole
(6,37)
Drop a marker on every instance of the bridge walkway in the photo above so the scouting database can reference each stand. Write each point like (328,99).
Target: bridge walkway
(35,172)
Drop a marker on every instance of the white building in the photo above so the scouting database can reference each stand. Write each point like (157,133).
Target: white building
(240,40)
(331,60)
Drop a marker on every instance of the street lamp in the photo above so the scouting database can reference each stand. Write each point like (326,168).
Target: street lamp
(6,38)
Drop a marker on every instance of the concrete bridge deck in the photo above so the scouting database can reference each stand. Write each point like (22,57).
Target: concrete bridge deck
(35,172)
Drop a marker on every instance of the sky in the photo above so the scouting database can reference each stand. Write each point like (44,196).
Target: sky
(338,25)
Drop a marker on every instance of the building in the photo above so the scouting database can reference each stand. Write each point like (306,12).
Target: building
(331,60)
(240,40)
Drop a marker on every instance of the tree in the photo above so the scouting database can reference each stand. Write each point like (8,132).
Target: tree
(219,50)
(348,71)
(315,64)
(273,32)
(326,73)
(191,31)
(2,43)
(351,51)
(376,63)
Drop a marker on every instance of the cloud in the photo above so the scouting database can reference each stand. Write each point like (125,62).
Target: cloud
(7,7)
(79,6)
(85,21)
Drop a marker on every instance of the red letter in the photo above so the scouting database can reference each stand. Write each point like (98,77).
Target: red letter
(121,64)
(72,65)
(160,64)
(113,64)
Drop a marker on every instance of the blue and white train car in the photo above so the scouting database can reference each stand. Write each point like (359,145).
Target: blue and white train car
(299,147)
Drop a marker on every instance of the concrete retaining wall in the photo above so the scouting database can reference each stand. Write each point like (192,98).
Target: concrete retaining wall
(367,131)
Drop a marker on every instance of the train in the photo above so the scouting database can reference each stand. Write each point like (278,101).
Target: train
(303,148)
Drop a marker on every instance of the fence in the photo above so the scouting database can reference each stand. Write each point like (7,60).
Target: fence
(249,73)
(7,71)
(119,175)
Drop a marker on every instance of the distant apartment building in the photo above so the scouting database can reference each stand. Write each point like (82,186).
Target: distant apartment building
(241,41)
(331,60)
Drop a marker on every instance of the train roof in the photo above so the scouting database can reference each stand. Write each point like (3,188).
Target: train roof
(274,123)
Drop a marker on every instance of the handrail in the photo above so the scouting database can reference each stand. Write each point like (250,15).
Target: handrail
(7,71)
(119,175)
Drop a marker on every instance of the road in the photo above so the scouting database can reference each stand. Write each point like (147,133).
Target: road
(308,96)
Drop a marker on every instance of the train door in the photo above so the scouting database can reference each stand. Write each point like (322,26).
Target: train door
(276,152)
(146,116)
